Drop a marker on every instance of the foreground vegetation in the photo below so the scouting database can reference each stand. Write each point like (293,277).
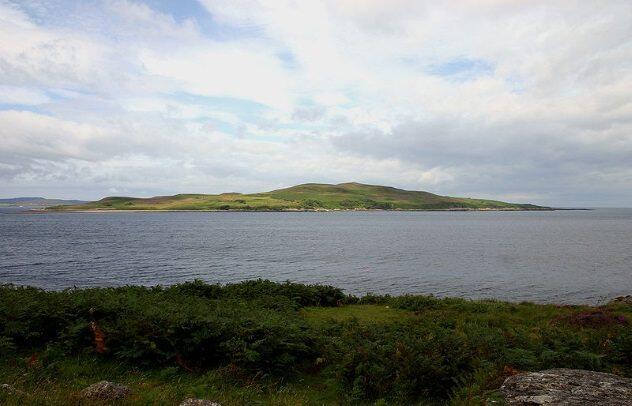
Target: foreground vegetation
(261,342)
(345,196)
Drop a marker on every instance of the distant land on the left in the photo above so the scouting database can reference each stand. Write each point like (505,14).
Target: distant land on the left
(36,202)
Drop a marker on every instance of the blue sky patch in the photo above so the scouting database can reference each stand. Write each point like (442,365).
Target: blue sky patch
(462,69)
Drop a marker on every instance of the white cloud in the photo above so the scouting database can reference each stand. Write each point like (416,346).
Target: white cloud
(524,99)
(21,95)
(35,136)
(222,71)
(35,56)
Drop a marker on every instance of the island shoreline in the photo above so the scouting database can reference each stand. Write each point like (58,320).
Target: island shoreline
(103,210)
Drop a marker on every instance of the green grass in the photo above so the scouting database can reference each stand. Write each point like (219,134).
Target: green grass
(363,314)
(261,342)
(344,196)
(60,383)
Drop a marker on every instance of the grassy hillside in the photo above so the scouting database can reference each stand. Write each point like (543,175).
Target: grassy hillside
(261,342)
(310,196)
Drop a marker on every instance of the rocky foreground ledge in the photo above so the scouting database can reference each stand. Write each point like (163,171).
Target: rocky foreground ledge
(550,387)
(567,387)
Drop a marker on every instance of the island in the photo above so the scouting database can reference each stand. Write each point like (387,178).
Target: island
(305,197)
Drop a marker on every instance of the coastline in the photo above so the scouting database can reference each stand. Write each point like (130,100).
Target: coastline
(294,210)
(308,197)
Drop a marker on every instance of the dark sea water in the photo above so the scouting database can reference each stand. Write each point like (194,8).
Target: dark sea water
(561,256)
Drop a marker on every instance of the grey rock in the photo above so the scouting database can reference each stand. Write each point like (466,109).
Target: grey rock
(567,387)
(5,387)
(106,391)
(198,402)
(623,299)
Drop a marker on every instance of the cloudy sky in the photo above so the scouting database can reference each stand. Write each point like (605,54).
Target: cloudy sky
(527,101)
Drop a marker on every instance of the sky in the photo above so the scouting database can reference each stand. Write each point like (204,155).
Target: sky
(522,101)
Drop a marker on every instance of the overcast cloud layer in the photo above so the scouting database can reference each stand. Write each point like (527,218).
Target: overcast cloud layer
(526,101)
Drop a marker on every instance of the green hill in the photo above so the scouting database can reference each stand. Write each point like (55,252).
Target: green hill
(310,196)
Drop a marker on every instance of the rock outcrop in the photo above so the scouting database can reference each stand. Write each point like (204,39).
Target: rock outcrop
(623,299)
(105,390)
(567,387)
(6,388)
(198,402)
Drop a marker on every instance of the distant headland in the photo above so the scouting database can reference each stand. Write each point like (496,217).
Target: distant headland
(37,202)
(305,197)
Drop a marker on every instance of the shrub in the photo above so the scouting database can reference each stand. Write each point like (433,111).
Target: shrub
(439,348)
(312,203)
(252,325)
(622,349)
(403,362)
(372,204)
(350,204)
